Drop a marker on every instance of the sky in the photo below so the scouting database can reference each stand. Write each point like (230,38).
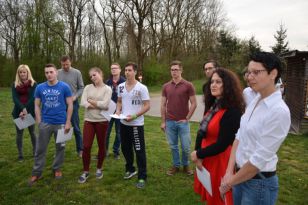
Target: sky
(262,18)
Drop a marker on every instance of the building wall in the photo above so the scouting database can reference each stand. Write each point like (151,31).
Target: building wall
(296,80)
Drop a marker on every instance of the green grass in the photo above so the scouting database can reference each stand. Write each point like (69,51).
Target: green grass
(112,189)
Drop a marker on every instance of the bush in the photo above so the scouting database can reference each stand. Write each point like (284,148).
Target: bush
(155,73)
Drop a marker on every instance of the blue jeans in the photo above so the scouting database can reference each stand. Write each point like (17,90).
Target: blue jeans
(75,124)
(117,139)
(174,131)
(256,191)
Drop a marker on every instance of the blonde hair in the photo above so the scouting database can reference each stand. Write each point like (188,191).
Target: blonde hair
(98,70)
(17,78)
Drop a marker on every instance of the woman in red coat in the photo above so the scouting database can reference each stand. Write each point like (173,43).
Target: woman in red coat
(224,105)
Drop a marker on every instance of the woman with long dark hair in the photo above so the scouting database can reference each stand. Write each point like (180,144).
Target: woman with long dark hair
(224,105)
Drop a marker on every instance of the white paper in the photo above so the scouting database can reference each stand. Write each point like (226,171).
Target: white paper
(121,116)
(62,137)
(205,179)
(111,109)
(24,123)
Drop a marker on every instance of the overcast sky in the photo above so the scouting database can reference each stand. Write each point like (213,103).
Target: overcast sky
(261,18)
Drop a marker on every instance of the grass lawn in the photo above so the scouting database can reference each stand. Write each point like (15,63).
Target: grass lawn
(112,189)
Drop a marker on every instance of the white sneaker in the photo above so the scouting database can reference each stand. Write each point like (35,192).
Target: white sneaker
(129,175)
(99,174)
(83,178)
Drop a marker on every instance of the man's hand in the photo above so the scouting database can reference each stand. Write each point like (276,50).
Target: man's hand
(67,127)
(130,118)
(163,126)
(74,98)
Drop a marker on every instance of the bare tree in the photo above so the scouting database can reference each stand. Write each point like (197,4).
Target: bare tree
(72,14)
(137,12)
(11,27)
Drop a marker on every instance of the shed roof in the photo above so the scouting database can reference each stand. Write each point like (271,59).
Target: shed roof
(293,53)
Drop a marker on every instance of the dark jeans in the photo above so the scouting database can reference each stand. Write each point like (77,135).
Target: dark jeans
(117,139)
(133,138)
(75,124)
(19,139)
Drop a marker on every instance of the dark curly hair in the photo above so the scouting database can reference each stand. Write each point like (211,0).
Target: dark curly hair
(232,96)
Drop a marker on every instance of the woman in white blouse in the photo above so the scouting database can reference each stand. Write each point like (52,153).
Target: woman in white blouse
(264,126)
(95,98)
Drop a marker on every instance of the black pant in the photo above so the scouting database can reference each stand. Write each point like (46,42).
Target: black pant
(133,137)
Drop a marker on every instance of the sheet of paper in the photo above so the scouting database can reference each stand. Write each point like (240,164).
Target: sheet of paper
(62,137)
(111,109)
(121,116)
(24,123)
(205,179)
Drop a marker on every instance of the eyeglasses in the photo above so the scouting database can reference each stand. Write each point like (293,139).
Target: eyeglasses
(208,68)
(113,68)
(254,72)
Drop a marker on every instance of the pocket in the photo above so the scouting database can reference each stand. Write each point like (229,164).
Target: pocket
(41,125)
(272,183)
(254,184)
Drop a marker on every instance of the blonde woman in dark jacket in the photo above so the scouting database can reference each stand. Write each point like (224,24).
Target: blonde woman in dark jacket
(23,97)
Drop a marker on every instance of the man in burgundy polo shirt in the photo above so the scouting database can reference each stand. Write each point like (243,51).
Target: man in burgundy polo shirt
(175,115)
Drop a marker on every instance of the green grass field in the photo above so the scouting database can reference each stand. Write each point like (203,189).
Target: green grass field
(112,189)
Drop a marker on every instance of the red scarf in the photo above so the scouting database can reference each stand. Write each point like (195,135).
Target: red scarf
(23,91)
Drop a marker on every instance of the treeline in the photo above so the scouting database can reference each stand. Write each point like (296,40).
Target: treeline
(99,32)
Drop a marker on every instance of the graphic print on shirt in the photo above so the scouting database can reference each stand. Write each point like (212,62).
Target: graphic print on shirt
(136,98)
(51,98)
(121,89)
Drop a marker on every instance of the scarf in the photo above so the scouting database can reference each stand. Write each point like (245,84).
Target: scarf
(205,122)
(23,92)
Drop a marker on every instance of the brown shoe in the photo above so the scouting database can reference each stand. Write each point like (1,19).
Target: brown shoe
(33,179)
(173,170)
(187,170)
(58,174)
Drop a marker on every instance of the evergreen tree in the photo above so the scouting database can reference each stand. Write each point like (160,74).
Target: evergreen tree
(227,48)
(253,45)
(281,45)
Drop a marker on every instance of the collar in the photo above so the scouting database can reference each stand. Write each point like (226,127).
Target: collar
(273,99)
(181,81)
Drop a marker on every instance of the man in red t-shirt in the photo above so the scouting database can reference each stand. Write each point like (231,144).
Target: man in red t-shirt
(175,115)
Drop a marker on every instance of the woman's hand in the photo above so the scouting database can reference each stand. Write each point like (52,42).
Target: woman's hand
(193,156)
(225,184)
(196,160)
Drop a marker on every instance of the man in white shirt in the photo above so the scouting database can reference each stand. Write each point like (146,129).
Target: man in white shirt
(264,126)
(133,102)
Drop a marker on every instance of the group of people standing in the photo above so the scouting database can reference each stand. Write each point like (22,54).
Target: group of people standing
(54,104)
(236,142)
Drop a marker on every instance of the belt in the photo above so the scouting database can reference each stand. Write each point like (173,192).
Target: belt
(260,175)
